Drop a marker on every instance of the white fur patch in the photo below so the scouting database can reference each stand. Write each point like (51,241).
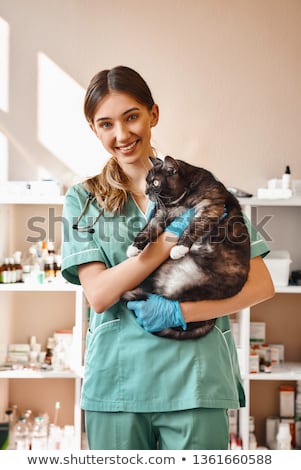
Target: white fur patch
(171,285)
(178,251)
(132,251)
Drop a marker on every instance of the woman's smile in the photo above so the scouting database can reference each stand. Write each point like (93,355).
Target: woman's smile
(128,149)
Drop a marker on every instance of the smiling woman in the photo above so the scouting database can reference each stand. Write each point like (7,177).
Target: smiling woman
(150,392)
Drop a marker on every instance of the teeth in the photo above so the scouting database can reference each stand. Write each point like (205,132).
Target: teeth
(129,147)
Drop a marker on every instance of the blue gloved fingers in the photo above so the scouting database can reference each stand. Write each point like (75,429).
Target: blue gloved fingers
(178,225)
(134,304)
(157,313)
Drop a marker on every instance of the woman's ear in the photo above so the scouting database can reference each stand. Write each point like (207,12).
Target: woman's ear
(92,127)
(154,115)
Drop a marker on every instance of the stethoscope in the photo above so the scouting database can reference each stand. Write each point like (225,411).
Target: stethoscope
(87,228)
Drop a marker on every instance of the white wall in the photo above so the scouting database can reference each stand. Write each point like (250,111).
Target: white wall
(226,74)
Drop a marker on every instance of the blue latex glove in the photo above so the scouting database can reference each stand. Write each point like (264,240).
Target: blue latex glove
(178,225)
(157,313)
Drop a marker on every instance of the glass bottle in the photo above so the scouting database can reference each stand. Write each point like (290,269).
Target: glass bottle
(6,271)
(39,434)
(49,269)
(252,437)
(2,273)
(21,432)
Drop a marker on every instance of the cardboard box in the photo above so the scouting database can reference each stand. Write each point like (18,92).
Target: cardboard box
(257,332)
(278,264)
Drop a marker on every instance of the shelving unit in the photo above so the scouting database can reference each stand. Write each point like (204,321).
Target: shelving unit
(44,305)
(280,222)
(39,309)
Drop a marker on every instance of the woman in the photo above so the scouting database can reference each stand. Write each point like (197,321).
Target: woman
(141,391)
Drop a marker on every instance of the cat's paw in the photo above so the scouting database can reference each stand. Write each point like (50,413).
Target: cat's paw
(132,251)
(178,251)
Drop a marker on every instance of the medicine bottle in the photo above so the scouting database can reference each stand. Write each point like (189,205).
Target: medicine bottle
(286,178)
(284,437)
(252,437)
(21,432)
(39,434)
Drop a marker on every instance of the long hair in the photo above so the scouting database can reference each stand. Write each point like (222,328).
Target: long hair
(111,186)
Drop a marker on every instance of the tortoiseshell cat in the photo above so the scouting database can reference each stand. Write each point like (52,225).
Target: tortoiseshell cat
(211,258)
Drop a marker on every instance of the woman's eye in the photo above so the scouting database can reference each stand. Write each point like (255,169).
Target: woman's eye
(132,117)
(105,125)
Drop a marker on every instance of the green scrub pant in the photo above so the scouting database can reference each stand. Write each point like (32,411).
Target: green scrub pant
(199,429)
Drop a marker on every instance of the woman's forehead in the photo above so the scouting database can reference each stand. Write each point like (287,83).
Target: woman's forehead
(116,103)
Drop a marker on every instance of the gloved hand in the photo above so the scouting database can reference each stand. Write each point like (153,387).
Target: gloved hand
(157,313)
(178,225)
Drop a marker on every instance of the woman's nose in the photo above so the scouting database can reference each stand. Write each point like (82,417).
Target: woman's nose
(122,132)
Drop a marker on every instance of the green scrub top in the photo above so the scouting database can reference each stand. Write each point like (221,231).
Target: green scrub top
(126,367)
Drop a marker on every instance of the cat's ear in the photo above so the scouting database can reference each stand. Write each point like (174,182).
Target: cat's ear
(170,162)
(155,161)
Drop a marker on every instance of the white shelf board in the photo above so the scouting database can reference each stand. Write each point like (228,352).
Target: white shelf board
(32,199)
(255,201)
(37,374)
(288,290)
(46,287)
(286,371)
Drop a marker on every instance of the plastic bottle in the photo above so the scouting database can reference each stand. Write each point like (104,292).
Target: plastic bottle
(2,273)
(12,269)
(39,434)
(286,178)
(5,272)
(298,416)
(31,266)
(18,265)
(21,432)
(284,437)
(252,437)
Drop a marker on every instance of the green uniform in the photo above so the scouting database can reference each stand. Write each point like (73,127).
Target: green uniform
(126,368)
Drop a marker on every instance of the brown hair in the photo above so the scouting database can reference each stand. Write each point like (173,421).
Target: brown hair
(111,186)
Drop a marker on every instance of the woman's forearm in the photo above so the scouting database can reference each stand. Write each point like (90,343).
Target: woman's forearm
(258,288)
(103,287)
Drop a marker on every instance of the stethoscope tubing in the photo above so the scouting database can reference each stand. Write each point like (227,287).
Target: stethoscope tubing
(86,228)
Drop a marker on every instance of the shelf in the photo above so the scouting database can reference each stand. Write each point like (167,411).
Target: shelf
(37,374)
(286,371)
(46,287)
(255,201)
(32,199)
(288,290)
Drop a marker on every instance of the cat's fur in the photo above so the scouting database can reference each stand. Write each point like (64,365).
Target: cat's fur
(211,258)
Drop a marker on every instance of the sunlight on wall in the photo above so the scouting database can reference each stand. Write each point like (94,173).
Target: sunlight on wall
(4,64)
(3,158)
(62,126)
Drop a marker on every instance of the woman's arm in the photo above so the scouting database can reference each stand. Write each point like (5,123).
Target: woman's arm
(103,287)
(258,288)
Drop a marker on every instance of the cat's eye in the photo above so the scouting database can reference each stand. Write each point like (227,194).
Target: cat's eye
(156,183)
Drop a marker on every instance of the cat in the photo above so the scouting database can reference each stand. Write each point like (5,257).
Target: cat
(212,256)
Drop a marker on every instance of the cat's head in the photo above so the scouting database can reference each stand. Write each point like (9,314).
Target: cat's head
(166,181)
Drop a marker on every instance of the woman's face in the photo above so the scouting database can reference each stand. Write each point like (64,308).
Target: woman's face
(123,125)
